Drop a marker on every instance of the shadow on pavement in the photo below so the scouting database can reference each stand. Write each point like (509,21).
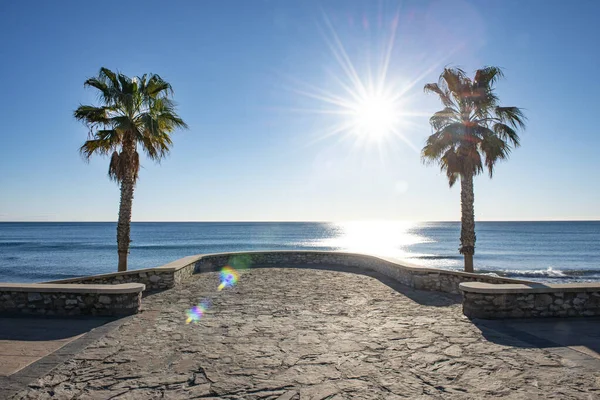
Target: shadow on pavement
(46,329)
(31,347)
(434,299)
(544,332)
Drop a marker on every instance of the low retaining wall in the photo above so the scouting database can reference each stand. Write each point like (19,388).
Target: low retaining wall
(488,301)
(484,296)
(70,299)
(159,278)
(172,274)
(411,275)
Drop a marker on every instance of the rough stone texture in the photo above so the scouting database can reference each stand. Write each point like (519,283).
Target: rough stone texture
(531,305)
(162,278)
(69,304)
(155,279)
(183,274)
(416,277)
(309,334)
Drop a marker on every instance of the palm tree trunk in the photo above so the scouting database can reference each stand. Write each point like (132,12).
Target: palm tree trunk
(467,230)
(127,187)
(124,224)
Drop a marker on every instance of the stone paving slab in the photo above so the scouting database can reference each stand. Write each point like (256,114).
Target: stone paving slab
(557,335)
(295,334)
(31,347)
(25,340)
(581,334)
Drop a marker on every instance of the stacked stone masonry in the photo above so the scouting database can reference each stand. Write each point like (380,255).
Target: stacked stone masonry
(154,278)
(531,305)
(557,302)
(69,304)
(416,277)
(179,271)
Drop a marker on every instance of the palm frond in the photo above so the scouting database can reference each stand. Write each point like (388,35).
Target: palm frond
(106,75)
(92,116)
(451,165)
(450,137)
(512,116)
(98,84)
(96,146)
(136,113)
(157,86)
(471,159)
(486,77)
(507,133)
(493,149)
(122,123)
(455,79)
(472,131)
(444,95)
(444,117)
(119,167)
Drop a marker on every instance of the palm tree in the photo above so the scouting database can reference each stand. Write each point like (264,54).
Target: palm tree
(471,131)
(135,113)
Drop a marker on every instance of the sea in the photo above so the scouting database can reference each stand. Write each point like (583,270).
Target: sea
(557,252)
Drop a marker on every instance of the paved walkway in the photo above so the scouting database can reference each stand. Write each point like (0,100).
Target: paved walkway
(558,335)
(31,347)
(309,334)
(24,341)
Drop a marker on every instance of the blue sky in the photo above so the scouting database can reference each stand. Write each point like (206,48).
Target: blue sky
(243,74)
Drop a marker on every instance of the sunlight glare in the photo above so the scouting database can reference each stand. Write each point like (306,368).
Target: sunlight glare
(375,116)
(365,106)
(379,238)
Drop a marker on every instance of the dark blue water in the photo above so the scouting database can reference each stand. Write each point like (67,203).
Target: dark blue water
(547,251)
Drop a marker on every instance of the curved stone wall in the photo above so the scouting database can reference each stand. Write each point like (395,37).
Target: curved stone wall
(172,274)
(159,278)
(70,299)
(560,301)
(530,301)
(411,275)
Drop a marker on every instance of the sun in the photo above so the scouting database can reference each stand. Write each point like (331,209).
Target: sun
(375,116)
(369,104)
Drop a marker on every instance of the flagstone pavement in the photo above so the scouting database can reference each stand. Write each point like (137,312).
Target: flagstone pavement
(315,334)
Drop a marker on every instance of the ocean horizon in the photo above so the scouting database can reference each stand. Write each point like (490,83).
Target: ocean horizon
(548,251)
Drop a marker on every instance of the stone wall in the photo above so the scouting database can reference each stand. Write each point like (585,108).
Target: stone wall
(70,300)
(154,280)
(531,301)
(180,275)
(521,299)
(414,276)
(160,278)
(176,272)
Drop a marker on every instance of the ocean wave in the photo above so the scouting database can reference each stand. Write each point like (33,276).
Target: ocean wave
(544,273)
(16,244)
(38,275)
(433,257)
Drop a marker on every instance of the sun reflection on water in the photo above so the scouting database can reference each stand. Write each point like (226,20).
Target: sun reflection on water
(381,238)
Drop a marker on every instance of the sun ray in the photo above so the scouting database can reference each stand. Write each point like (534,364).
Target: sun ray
(334,130)
(348,89)
(325,97)
(369,106)
(343,59)
(405,140)
(388,52)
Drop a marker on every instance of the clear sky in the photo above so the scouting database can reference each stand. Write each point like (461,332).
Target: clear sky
(251,78)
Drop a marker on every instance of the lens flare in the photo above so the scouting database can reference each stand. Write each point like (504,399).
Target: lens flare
(239,262)
(195,313)
(229,277)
